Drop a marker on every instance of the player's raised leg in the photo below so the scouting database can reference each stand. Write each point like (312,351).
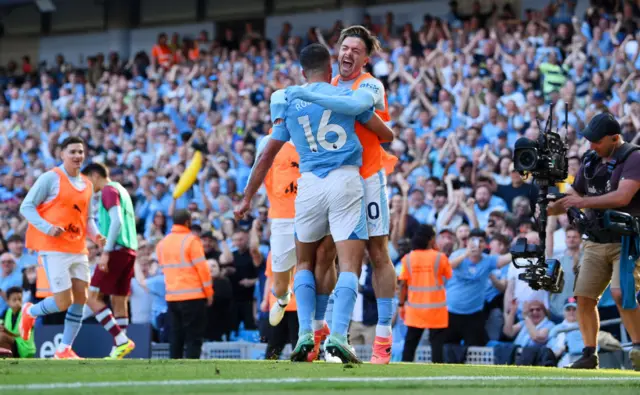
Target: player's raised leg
(283,252)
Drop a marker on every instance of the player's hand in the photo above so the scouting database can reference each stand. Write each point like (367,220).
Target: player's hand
(209,300)
(103,264)
(242,209)
(56,231)
(101,240)
(264,306)
(293,92)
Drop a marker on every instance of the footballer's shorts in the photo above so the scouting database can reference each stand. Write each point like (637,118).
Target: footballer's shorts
(332,205)
(283,245)
(61,268)
(377,204)
(117,279)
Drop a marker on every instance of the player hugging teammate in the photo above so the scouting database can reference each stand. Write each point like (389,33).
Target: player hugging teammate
(342,193)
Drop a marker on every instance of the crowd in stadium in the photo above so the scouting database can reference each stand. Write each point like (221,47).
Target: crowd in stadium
(461,90)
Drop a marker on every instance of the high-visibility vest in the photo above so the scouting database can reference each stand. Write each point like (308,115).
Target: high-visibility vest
(281,183)
(69,210)
(374,157)
(425,272)
(163,54)
(43,289)
(292,306)
(186,273)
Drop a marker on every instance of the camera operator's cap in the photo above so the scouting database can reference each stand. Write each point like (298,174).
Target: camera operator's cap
(571,302)
(601,125)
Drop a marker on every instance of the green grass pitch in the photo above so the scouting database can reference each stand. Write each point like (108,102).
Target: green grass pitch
(262,377)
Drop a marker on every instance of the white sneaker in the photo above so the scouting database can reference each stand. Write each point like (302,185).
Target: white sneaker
(276,313)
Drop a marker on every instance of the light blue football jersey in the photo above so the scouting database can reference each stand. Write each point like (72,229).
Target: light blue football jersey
(325,140)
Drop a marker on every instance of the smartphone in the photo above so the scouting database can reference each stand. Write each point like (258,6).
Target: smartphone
(476,242)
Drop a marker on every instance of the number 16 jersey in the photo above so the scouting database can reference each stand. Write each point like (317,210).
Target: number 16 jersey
(325,140)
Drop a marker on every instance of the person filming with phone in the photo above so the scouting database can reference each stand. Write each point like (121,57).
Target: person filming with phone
(606,186)
(465,290)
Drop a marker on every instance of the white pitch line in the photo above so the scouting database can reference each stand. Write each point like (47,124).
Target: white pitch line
(51,386)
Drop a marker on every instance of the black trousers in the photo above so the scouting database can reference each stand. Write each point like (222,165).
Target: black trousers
(188,321)
(467,327)
(412,339)
(285,332)
(244,313)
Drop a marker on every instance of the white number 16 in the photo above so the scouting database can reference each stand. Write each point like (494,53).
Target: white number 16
(323,129)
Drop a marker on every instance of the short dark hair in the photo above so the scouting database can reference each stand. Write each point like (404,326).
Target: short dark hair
(314,58)
(13,290)
(96,168)
(423,236)
(370,41)
(181,217)
(71,140)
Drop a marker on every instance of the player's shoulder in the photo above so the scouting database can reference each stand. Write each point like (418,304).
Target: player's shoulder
(372,84)
(278,97)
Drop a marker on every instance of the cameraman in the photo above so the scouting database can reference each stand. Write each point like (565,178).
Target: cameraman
(599,186)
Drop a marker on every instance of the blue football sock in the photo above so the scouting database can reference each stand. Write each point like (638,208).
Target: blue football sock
(44,307)
(72,324)
(304,286)
(345,299)
(385,314)
(321,306)
(329,312)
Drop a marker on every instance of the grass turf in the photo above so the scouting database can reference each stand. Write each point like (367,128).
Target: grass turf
(438,379)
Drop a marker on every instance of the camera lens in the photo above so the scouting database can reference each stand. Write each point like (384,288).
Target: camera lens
(526,160)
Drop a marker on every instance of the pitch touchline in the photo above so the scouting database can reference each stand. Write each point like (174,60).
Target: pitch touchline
(48,386)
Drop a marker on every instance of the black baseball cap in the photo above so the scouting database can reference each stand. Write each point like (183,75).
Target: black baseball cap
(601,125)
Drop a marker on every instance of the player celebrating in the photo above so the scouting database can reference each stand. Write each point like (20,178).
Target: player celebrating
(356,45)
(113,275)
(281,184)
(58,209)
(330,194)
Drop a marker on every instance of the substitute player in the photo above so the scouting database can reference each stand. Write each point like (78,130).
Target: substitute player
(330,194)
(112,277)
(59,211)
(357,44)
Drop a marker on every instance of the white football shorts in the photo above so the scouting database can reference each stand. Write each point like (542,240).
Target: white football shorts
(377,204)
(332,205)
(61,268)
(283,245)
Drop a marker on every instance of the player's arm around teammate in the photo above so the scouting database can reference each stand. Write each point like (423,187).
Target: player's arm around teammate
(59,211)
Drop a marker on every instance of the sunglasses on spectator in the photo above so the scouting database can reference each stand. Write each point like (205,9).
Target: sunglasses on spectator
(7,261)
(534,309)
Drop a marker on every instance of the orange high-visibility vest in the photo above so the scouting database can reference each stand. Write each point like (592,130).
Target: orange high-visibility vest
(292,306)
(43,289)
(425,272)
(163,54)
(281,182)
(374,157)
(69,210)
(186,273)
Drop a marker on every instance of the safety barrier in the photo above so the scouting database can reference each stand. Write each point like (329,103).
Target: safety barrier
(256,351)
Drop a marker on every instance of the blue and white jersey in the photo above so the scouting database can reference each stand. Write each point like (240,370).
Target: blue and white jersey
(325,140)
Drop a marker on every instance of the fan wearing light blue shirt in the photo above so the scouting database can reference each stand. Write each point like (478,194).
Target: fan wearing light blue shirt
(330,199)
(466,290)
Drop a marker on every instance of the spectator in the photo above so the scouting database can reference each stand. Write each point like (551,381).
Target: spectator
(244,277)
(565,339)
(533,331)
(9,327)
(10,277)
